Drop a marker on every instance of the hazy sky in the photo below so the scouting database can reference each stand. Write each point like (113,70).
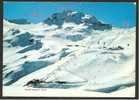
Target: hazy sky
(117,14)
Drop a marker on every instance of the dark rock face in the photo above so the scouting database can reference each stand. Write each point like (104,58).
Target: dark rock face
(21,40)
(36,46)
(101,26)
(19,21)
(15,31)
(75,38)
(25,69)
(25,39)
(34,82)
(117,48)
(77,18)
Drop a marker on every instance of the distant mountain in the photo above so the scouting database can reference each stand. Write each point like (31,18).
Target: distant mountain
(19,21)
(77,18)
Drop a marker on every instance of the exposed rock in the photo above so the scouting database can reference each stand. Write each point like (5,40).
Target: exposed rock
(77,18)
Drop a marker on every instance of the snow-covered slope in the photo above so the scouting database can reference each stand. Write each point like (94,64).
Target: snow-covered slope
(73,55)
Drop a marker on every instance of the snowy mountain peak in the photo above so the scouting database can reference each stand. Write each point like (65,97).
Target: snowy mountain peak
(71,16)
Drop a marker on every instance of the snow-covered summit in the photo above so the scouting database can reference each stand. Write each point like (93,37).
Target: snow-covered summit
(77,18)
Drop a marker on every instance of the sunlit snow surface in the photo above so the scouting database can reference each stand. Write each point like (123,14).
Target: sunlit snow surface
(68,57)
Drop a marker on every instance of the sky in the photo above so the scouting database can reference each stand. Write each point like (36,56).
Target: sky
(118,14)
